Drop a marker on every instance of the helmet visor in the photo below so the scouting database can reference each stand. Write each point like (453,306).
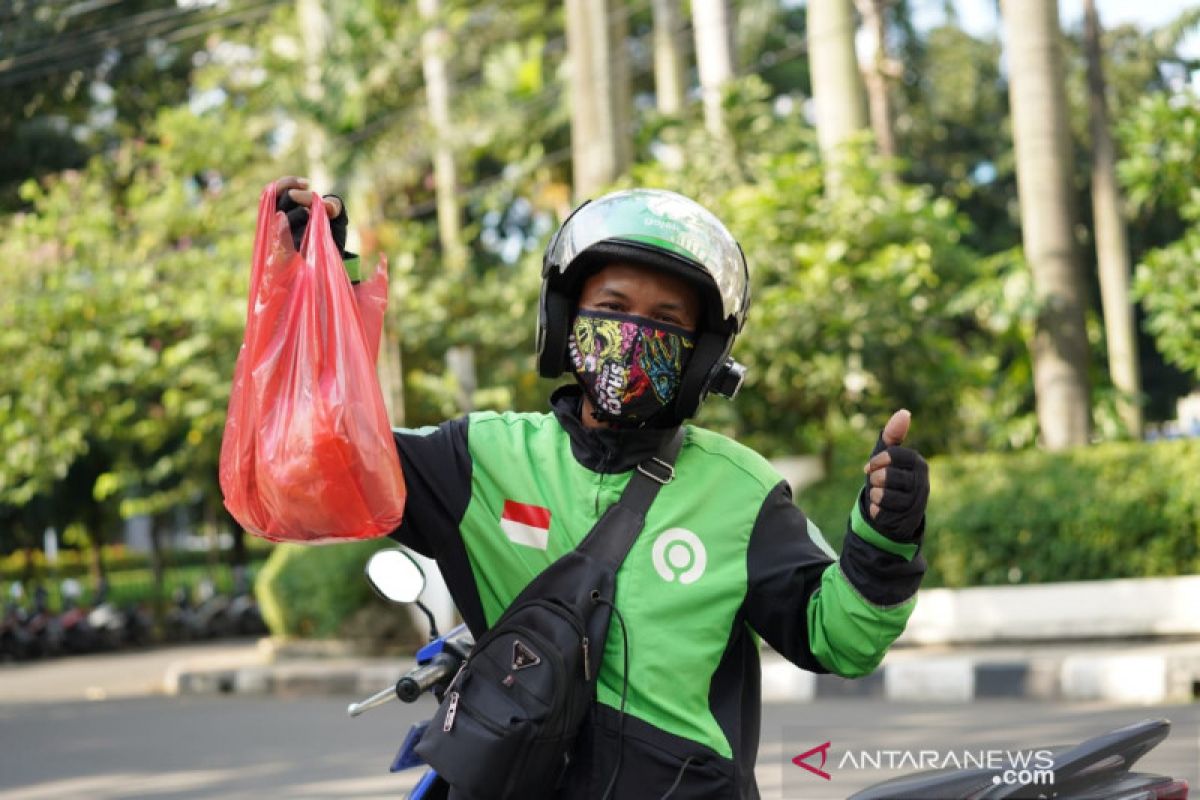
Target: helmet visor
(661,220)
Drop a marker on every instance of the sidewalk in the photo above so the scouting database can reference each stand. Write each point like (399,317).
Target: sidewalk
(1113,671)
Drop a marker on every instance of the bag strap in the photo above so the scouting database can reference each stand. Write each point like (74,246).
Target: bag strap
(613,535)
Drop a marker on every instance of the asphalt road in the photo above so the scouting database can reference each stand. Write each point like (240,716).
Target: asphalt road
(250,747)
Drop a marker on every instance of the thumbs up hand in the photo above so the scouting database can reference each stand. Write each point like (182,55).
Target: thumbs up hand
(897,483)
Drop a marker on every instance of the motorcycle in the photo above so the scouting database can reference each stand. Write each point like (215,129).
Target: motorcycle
(16,642)
(1099,768)
(396,577)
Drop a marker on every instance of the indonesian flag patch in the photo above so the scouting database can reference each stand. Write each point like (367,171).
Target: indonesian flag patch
(526,524)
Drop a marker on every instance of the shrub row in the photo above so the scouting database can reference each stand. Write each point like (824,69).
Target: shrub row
(73,562)
(1112,510)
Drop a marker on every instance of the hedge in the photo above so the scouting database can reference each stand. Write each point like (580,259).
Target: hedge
(308,591)
(1111,510)
(75,562)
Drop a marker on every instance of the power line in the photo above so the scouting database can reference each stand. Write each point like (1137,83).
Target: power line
(161,24)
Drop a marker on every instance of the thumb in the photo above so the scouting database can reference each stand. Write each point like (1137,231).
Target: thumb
(894,432)
(896,428)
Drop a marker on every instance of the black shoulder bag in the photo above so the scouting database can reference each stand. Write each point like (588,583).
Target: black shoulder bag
(508,721)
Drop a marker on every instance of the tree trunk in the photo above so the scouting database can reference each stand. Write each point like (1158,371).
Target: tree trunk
(315,34)
(670,77)
(28,567)
(365,198)
(95,520)
(837,84)
(1043,150)
(237,553)
(435,43)
(600,135)
(158,568)
(879,73)
(391,377)
(1112,247)
(712,21)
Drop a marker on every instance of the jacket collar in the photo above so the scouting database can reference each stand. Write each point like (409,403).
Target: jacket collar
(605,450)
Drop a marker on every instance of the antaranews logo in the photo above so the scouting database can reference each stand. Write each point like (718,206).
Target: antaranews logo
(1012,767)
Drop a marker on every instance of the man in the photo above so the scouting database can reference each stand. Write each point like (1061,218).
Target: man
(643,295)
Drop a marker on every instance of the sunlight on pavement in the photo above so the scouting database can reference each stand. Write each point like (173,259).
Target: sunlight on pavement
(211,783)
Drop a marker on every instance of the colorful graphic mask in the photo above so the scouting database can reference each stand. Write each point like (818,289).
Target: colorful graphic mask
(629,366)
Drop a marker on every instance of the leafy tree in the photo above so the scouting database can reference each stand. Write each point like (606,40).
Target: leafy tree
(852,310)
(77,77)
(121,331)
(1161,138)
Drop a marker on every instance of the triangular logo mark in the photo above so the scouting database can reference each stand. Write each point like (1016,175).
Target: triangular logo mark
(820,772)
(523,657)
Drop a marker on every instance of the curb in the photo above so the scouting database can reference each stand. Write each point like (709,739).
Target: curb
(1133,675)
(298,679)
(1144,674)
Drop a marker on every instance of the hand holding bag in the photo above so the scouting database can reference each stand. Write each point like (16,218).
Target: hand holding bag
(308,454)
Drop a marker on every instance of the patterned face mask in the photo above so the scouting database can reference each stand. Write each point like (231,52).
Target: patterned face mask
(629,367)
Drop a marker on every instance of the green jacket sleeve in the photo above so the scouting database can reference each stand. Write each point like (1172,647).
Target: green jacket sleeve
(865,599)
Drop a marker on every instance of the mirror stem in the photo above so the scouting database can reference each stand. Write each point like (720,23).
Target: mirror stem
(433,631)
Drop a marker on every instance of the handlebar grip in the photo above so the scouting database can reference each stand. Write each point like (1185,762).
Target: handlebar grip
(420,680)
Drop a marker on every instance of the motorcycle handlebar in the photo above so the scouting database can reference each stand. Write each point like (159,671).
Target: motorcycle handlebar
(420,680)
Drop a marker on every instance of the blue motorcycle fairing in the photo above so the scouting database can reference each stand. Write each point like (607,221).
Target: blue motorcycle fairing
(423,785)
(407,757)
(426,653)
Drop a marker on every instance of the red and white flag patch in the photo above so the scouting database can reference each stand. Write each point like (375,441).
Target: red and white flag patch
(526,524)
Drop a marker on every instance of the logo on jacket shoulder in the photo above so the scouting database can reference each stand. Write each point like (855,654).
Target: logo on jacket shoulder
(679,553)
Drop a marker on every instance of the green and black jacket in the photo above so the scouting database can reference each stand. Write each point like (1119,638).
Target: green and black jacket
(725,558)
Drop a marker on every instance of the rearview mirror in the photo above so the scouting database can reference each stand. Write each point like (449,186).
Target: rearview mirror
(395,576)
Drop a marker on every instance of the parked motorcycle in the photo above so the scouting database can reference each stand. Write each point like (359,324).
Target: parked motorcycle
(182,622)
(44,628)
(395,576)
(16,642)
(1099,768)
(212,612)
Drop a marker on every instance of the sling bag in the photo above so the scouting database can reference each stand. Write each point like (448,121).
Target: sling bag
(508,720)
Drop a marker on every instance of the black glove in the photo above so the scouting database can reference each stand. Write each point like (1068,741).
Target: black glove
(901,515)
(298,220)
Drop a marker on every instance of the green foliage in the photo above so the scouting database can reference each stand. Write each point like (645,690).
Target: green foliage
(852,313)
(120,328)
(123,283)
(1115,510)
(1168,284)
(308,591)
(1161,138)
(953,134)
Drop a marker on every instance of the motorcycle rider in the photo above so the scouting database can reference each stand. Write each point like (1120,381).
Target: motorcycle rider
(643,295)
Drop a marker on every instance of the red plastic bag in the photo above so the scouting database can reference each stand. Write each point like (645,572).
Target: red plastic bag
(308,454)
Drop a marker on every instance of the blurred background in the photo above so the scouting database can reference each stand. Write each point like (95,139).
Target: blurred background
(984,212)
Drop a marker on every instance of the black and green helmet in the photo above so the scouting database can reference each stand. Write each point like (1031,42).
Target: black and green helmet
(666,231)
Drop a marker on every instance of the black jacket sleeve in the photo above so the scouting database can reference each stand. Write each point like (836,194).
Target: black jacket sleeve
(437,477)
(784,565)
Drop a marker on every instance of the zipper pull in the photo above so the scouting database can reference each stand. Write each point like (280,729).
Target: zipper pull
(450,712)
(587,669)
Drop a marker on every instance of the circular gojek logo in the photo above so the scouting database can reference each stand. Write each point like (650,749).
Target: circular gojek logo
(679,553)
